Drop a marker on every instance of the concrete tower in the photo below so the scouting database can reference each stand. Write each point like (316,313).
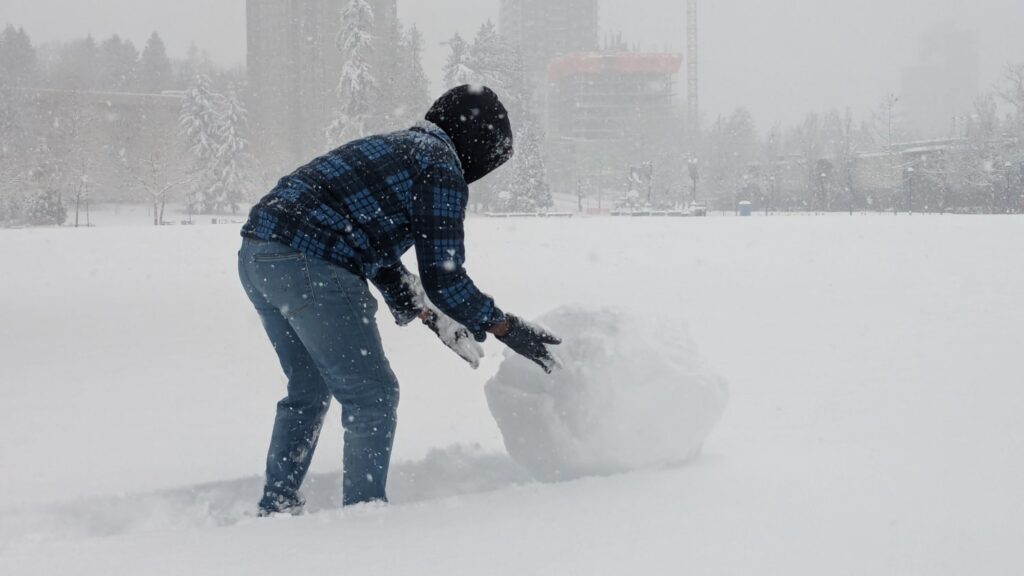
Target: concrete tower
(293,70)
(544,29)
(692,64)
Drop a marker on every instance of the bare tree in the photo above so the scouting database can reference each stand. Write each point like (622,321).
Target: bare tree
(13,183)
(842,149)
(887,129)
(155,182)
(1012,90)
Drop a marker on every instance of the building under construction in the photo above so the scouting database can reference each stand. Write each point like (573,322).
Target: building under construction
(605,109)
(609,111)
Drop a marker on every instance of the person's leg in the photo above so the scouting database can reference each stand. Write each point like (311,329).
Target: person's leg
(341,334)
(275,280)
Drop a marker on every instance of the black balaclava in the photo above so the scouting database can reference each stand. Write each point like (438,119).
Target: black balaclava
(476,121)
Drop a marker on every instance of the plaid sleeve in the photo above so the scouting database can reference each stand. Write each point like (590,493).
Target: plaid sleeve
(397,287)
(438,211)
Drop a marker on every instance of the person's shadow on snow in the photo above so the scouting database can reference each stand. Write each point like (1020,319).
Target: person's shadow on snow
(442,474)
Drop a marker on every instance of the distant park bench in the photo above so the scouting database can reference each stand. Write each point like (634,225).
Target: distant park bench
(529,214)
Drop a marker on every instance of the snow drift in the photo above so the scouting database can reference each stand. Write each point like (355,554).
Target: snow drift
(632,393)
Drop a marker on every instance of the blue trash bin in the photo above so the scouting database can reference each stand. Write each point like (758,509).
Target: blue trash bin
(745,208)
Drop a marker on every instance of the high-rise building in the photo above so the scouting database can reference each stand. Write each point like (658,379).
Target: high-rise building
(692,68)
(544,29)
(943,84)
(294,66)
(608,111)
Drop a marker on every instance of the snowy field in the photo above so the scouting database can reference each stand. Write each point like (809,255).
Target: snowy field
(875,367)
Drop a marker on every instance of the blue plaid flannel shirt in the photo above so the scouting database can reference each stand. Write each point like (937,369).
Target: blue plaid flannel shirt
(365,204)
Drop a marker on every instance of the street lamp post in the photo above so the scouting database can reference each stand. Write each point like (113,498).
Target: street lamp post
(648,169)
(82,192)
(910,190)
(1020,179)
(823,192)
(1009,191)
(745,193)
(693,165)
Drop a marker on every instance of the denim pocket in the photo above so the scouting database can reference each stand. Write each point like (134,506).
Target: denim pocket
(281,257)
(283,279)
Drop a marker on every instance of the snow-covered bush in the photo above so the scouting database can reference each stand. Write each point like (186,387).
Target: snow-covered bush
(631,393)
(46,208)
(12,206)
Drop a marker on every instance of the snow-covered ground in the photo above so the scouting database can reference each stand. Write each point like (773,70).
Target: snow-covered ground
(874,427)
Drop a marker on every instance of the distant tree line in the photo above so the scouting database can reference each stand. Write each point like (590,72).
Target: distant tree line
(48,164)
(108,65)
(50,160)
(831,162)
(68,136)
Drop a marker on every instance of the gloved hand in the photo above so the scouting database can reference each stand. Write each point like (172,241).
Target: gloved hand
(454,336)
(530,341)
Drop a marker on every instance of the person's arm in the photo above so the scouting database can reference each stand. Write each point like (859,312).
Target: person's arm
(438,211)
(398,287)
(404,295)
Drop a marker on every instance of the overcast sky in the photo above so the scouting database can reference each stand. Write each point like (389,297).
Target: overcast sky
(780,59)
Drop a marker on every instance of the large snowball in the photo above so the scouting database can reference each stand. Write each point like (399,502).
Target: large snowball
(632,393)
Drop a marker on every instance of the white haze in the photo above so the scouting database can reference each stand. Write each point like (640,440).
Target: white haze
(779,59)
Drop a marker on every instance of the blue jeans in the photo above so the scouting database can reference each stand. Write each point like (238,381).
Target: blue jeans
(320,320)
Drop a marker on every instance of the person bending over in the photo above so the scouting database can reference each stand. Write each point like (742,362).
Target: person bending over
(311,245)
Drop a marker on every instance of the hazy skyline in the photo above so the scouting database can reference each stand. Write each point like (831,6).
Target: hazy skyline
(780,61)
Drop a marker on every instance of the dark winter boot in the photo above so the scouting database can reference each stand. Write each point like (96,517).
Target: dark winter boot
(274,504)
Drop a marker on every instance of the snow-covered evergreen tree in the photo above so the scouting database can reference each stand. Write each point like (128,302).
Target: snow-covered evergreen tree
(155,72)
(75,65)
(415,91)
(526,184)
(196,62)
(215,128)
(389,66)
(495,63)
(523,185)
(200,125)
(116,64)
(17,56)
(357,86)
(456,70)
(234,161)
